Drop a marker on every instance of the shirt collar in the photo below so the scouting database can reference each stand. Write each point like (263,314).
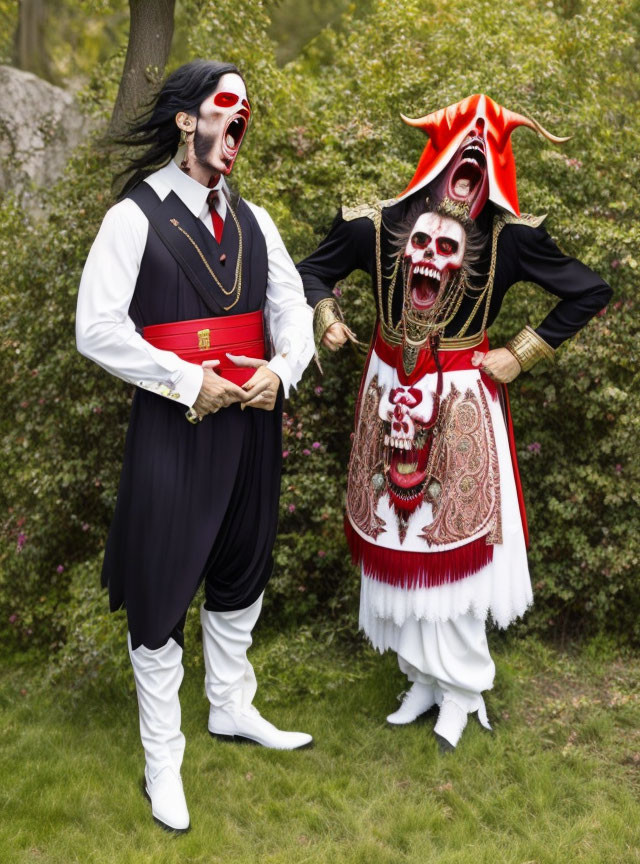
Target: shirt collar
(191,193)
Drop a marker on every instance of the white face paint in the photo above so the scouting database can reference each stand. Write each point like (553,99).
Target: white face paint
(435,248)
(223,118)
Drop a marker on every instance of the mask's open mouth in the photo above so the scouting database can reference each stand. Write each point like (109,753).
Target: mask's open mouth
(232,136)
(407,470)
(468,172)
(426,284)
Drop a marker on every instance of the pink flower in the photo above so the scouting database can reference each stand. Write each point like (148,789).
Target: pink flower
(291,508)
(306,452)
(85,526)
(316,445)
(618,468)
(59,569)
(298,435)
(21,541)
(534,447)
(337,292)
(321,553)
(318,390)
(285,453)
(13,618)
(615,264)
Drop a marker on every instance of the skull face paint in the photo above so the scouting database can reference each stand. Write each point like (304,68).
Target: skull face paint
(223,118)
(435,250)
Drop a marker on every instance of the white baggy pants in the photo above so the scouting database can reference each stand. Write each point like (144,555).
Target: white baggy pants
(451,656)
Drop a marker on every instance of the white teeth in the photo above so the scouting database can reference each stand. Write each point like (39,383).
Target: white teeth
(230,141)
(386,440)
(407,445)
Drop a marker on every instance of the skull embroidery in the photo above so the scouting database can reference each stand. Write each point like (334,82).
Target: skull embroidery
(407,442)
(435,248)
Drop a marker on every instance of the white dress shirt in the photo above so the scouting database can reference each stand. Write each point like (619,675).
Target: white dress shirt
(106,334)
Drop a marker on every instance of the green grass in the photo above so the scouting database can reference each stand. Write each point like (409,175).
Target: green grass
(558,781)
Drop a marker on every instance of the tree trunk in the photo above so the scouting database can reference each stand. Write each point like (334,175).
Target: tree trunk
(150,35)
(30,50)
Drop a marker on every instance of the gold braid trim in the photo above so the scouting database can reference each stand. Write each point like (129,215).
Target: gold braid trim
(326,313)
(525,219)
(374,213)
(527,347)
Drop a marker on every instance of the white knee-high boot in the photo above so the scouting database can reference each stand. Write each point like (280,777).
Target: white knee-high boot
(158,674)
(230,681)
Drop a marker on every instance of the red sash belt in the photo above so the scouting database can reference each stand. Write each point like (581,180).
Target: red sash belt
(210,339)
(451,361)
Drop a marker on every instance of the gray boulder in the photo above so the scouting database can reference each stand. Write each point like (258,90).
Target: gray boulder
(39,127)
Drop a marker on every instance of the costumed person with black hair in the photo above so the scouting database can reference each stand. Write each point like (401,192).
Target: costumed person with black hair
(186,292)
(435,512)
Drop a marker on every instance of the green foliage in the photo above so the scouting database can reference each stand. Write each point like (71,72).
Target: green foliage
(8,24)
(326,131)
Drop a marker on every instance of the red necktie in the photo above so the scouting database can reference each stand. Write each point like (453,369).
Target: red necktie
(216,218)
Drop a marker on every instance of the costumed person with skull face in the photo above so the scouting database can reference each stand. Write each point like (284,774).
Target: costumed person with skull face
(175,295)
(435,513)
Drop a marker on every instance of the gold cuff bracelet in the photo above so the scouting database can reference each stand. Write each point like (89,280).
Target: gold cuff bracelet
(527,347)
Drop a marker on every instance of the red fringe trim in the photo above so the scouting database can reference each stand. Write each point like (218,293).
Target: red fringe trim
(417,569)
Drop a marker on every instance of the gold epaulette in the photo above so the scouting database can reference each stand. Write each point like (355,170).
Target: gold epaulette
(368,211)
(525,219)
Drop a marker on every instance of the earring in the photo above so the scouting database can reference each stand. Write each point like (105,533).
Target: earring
(183,137)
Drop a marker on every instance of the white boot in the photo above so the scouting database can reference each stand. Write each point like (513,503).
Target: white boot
(230,681)
(416,702)
(450,725)
(158,674)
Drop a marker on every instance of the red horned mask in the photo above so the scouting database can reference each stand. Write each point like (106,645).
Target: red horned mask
(469,151)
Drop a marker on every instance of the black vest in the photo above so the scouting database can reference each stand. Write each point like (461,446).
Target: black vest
(176,285)
(195,501)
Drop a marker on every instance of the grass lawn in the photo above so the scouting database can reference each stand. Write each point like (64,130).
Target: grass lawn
(558,781)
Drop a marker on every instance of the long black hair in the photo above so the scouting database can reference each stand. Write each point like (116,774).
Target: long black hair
(184,90)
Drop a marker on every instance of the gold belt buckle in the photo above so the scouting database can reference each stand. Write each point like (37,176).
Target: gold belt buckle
(204,339)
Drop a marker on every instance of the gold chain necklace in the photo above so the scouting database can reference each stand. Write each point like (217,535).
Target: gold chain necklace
(237,281)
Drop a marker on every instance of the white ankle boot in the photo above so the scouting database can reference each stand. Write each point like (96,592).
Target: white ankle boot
(450,725)
(230,682)
(158,674)
(416,701)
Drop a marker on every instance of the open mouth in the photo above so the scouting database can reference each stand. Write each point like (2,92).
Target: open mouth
(425,284)
(407,470)
(232,137)
(468,174)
